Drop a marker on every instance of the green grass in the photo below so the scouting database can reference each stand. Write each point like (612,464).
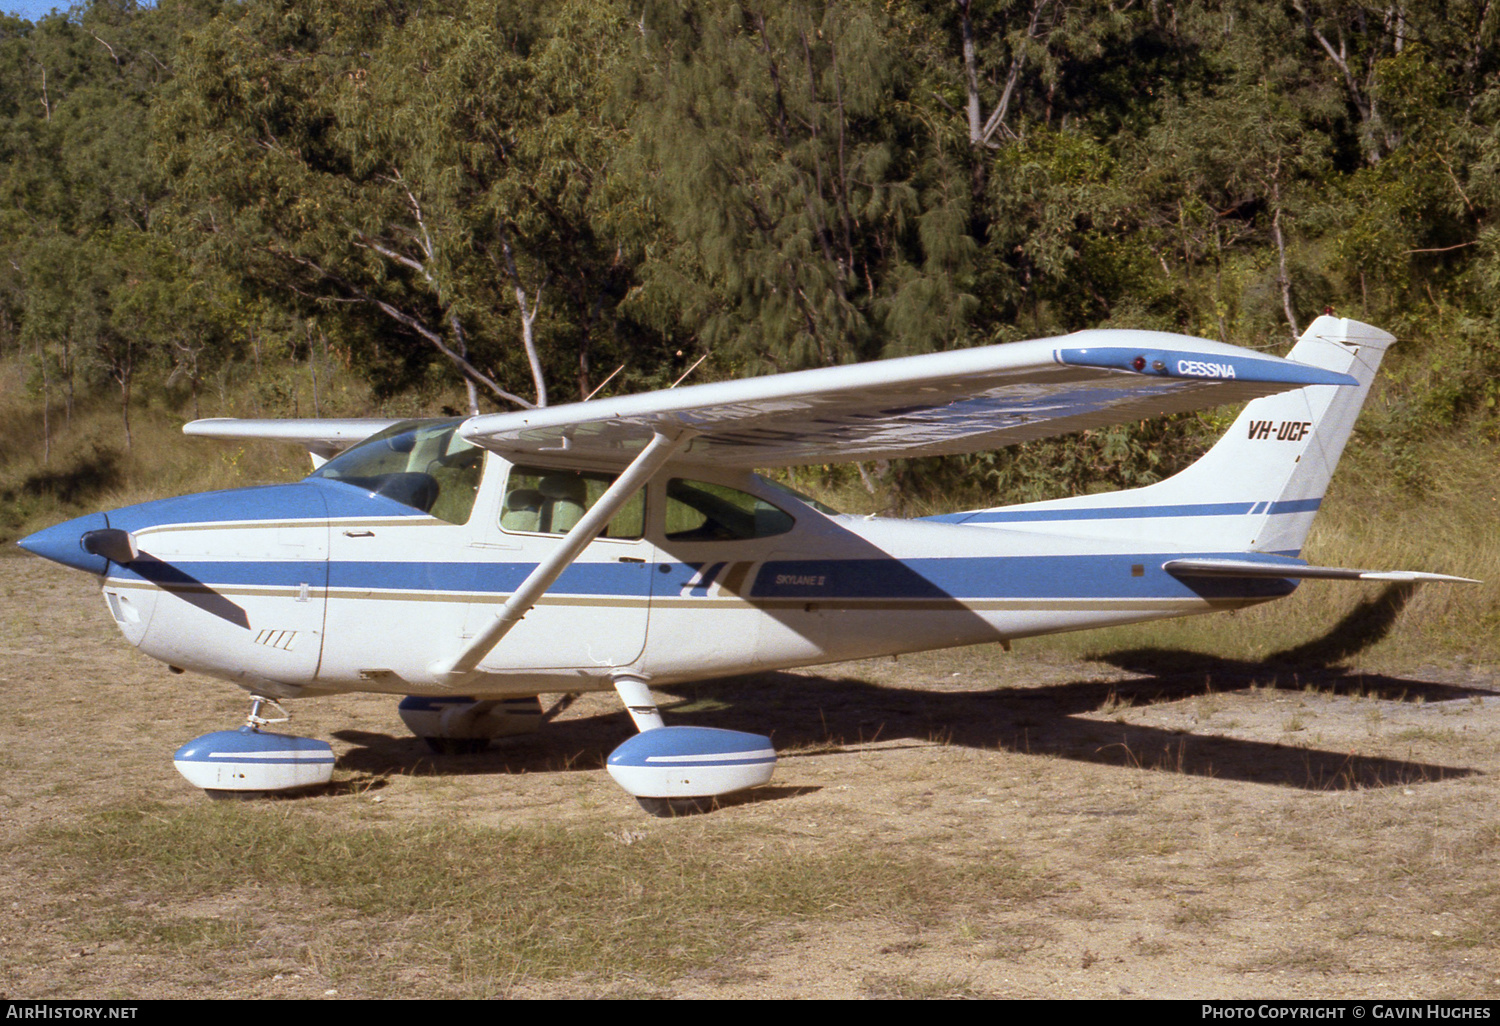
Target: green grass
(478,905)
(1429,734)
(1197,914)
(907,988)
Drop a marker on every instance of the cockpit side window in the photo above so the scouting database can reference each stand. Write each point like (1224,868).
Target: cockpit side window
(540,501)
(423,465)
(699,511)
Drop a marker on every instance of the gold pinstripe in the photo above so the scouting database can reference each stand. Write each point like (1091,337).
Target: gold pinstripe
(253,525)
(730,602)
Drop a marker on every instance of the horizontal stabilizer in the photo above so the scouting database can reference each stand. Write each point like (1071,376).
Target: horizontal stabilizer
(1248,568)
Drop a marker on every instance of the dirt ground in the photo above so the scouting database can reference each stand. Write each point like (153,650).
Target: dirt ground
(1205,828)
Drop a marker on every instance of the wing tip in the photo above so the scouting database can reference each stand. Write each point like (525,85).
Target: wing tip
(1188,365)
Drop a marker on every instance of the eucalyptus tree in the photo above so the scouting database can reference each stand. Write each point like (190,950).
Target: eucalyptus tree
(1018,57)
(808,216)
(1045,93)
(1354,39)
(78,192)
(429,167)
(83,314)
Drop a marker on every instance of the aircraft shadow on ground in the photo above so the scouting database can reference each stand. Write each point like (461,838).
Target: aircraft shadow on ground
(816,715)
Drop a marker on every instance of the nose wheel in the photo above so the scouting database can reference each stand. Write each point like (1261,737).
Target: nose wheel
(249,762)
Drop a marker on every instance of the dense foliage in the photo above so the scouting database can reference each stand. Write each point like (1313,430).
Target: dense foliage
(523,199)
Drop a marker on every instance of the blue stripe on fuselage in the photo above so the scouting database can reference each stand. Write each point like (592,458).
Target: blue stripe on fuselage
(614,579)
(389,575)
(996,577)
(960,577)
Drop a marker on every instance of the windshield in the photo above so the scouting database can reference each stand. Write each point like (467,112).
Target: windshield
(821,507)
(422,464)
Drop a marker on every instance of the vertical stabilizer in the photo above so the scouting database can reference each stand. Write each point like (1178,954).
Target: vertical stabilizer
(1283,449)
(1260,486)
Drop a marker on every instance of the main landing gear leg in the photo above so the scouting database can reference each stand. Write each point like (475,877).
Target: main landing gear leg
(248,762)
(638,702)
(675,771)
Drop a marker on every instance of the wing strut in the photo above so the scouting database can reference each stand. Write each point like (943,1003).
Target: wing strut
(660,449)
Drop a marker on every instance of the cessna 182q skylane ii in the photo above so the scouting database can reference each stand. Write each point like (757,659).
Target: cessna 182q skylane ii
(473,564)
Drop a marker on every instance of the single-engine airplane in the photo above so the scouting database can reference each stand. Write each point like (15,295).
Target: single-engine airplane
(471,565)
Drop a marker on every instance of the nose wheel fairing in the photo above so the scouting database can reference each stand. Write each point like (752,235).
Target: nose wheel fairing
(249,761)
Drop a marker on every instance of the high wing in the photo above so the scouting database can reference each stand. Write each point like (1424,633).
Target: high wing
(966,400)
(322,438)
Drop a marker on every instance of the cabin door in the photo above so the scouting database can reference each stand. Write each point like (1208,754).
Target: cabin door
(594,616)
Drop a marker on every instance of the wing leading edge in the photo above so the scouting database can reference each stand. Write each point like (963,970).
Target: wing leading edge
(322,438)
(966,400)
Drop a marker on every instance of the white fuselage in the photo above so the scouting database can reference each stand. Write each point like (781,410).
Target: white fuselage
(317,588)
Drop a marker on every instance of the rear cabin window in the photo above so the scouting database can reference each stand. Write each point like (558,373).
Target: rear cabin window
(424,465)
(699,511)
(539,501)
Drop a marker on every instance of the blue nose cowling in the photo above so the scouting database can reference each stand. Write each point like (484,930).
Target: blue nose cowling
(63,543)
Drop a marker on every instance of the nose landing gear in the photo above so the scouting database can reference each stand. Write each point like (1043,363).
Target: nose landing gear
(248,762)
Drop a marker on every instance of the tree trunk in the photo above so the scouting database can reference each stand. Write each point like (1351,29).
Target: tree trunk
(125,405)
(1282,277)
(41,355)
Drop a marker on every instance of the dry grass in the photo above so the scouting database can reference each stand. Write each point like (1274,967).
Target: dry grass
(536,903)
(1000,860)
(1210,808)
(89,466)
